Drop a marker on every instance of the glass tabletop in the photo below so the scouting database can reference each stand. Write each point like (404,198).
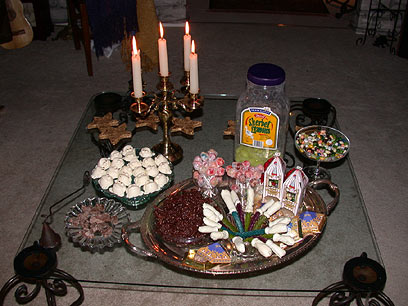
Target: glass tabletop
(347,233)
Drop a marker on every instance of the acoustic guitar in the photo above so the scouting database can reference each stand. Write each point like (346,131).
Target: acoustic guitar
(20,27)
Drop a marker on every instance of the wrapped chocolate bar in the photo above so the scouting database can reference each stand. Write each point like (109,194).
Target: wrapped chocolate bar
(214,253)
(274,176)
(293,190)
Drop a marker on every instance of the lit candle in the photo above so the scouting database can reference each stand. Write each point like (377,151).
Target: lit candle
(163,61)
(193,70)
(136,71)
(187,48)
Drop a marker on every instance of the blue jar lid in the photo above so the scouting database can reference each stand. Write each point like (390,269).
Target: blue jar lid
(266,74)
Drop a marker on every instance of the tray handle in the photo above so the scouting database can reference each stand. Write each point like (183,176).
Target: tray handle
(126,229)
(329,185)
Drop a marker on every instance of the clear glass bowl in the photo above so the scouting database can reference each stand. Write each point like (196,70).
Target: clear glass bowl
(96,223)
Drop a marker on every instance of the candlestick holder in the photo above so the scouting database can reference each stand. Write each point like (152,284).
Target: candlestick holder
(185,82)
(161,109)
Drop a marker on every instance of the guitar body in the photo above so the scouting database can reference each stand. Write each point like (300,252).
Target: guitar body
(20,27)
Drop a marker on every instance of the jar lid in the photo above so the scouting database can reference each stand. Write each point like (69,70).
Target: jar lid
(266,74)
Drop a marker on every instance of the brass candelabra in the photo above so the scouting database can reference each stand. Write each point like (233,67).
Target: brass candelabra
(160,110)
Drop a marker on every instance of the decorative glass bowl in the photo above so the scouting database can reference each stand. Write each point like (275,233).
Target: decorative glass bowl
(136,202)
(96,223)
(139,201)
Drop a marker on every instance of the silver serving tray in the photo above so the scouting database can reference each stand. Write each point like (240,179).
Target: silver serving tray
(175,255)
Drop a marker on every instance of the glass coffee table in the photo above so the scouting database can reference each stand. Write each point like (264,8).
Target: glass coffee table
(347,233)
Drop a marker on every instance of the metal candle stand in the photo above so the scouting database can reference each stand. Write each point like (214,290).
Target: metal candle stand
(164,104)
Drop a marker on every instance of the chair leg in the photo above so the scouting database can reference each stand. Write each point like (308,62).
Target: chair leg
(73,20)
(86,37)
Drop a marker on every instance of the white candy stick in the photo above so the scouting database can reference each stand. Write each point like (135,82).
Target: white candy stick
(262,248)
(277,250)
(276,229)
(211,223)
(249,207)
(284,220)
(290,233)
(219,235)
(239,244)
(284,239)
(226,196)
(266,206)
(235,198)
(273,209)
(207,229)
(208,206)
(210,215)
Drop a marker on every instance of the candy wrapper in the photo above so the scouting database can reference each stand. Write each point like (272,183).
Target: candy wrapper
(293,190)
(274,176)
(208,172)
(307,223)
(214,253)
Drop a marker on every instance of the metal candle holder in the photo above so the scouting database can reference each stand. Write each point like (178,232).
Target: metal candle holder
(164,104)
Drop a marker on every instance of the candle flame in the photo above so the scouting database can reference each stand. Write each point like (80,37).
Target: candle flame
(192,46)
(134,46)
(187,28)
(161,31)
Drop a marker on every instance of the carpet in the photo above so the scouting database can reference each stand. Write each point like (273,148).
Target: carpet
(271,6)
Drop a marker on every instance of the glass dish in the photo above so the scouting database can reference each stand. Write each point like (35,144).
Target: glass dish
(82,219)
(313,143)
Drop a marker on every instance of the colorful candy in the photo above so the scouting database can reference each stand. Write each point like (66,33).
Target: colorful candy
(322,145)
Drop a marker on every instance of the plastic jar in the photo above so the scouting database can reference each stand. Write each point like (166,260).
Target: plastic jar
(262,115)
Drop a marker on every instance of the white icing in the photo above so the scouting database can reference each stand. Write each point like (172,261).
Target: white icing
(160,159)
(150,187)
(145,152)
(134,163)
(164,168)
(117,163)
(142,180)
(152,171)
(115,154)
(161,180)
(129,157)
(125,179)
(148,162)
(127,170)
(133,191)
(128,149)
(105,181)
(138,171)
(104,163)
(118,188)
(113,172)
(97,172)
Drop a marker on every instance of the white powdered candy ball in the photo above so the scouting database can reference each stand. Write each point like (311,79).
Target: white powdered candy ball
(115,154)
(161,180)
(118,188)
(104,163)
(133,191)
(125,179)
(105,181)
(160,159)
(142,180)
(134,163)
(145,152)
(129,157)
(152,171)
(127,170)
(148,162)
(138,171)
(97,172)
(151,187)
(165,168)
(113,172)
(117,163)
(128,149)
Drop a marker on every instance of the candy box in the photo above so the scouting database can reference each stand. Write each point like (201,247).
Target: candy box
(293,190)
(274,176)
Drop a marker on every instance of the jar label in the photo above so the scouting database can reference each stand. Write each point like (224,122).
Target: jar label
(259,128)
